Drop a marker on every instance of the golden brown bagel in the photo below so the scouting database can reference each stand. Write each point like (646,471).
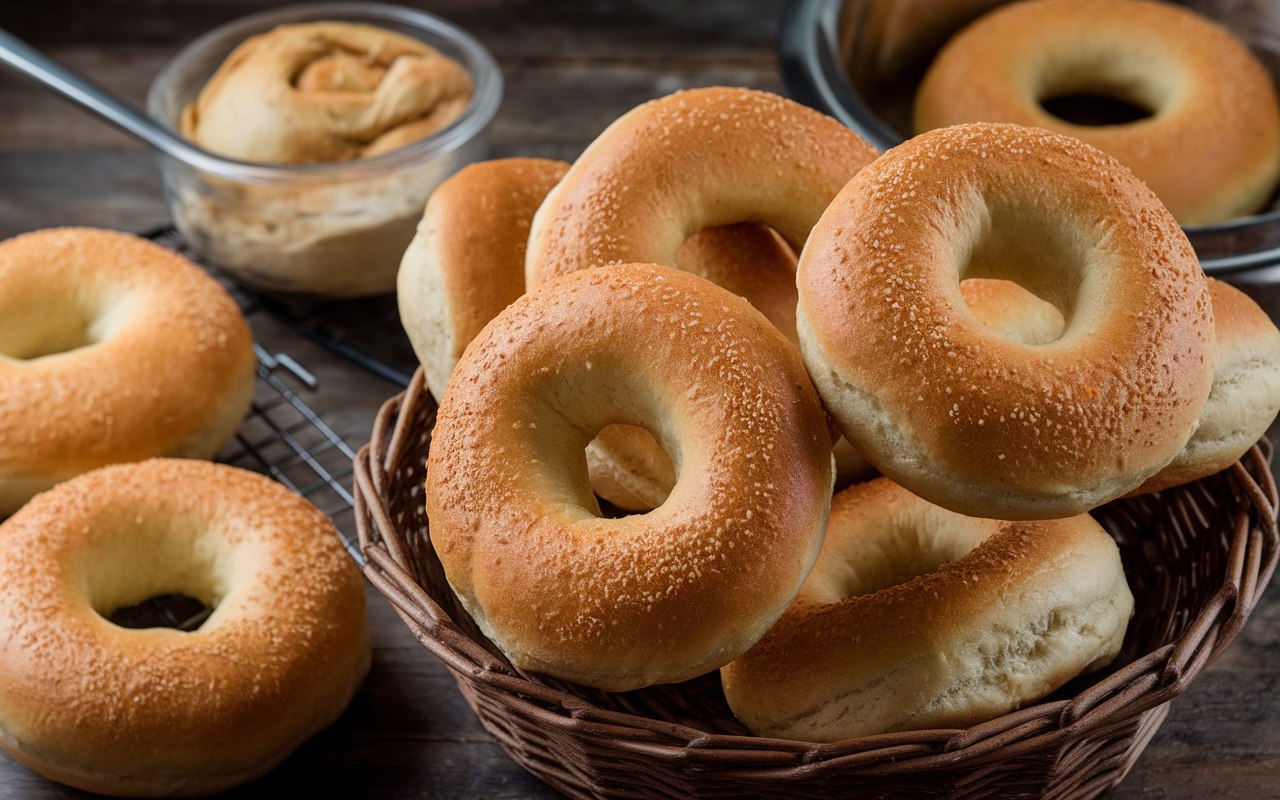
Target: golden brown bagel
(1210,149)
(652,598)
(963,417)
(160,712)
(112,349)
(320,92)
(1245,396)
(466,264)
(691,160)
(916,617)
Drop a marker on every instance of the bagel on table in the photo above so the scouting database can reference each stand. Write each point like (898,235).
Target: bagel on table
(112,349)
(968,419)
(917,617)
(160,712)
(1210,148)
(652,598)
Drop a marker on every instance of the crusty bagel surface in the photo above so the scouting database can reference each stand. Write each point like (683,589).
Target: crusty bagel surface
(1210,149)
(160,712)
(964,417)
(650,598)
(687,161)
(1242,403)
(112,349)
(917,617)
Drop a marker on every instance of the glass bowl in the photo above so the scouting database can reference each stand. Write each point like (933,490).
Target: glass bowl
(333,229)
(862,60)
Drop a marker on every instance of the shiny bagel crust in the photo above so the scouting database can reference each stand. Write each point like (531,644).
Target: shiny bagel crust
(687,161)
(466,262)
(1242,403)
(963,417)
(652,598)
(1210,150)
(160,712)
(161,360)
(916,617)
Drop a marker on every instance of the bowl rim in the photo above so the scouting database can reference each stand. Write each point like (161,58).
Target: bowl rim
(483,68)
(812,74)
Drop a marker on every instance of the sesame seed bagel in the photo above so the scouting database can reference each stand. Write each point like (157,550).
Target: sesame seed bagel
(112,349)
(916,617)
(961,416)
(160,712)
(650,598)
(1242,403)
(1210,149)
(466,264)
(691,160)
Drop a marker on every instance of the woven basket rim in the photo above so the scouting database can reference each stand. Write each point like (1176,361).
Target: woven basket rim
(1146,684)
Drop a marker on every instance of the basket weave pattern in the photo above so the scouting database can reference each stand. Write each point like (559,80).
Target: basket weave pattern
(1197,558)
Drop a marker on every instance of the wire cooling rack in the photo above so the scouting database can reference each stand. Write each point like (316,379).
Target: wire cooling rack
(280,436)
(364,330)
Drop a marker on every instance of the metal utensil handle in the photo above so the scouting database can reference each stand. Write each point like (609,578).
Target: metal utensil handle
(28,61)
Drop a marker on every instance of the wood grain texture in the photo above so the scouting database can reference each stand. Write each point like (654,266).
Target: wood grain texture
(571,68)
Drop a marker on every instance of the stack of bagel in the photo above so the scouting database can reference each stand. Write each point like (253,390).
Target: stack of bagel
(1003,322)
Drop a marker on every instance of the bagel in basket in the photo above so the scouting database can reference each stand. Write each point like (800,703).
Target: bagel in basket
(651,598)
(917,617)
(968,419)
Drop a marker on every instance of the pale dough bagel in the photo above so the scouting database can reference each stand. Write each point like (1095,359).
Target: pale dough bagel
(1210,149)
(651,598)
(691,160)
(320,92)
(916,617)
(161,712)
(968,419)
(111,349)
(1242,403)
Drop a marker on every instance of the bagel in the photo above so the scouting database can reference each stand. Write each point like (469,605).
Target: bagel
(1242,402)
(1210,149)
(652,598)
(466,264)
(162,712)
(321,92)
(965,418)
(688,161)
(112,349)
(916,617)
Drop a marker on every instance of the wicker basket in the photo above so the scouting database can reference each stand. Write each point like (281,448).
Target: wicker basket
(1197,558)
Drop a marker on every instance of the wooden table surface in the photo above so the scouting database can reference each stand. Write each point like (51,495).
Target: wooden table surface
(570,69)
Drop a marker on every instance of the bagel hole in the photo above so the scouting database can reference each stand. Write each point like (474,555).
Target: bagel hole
(163,571)
(630,471)
(163,611)
(719,254)
(1095,109)
(1012,312)
(1057,258)
(904,550)
(33,327)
